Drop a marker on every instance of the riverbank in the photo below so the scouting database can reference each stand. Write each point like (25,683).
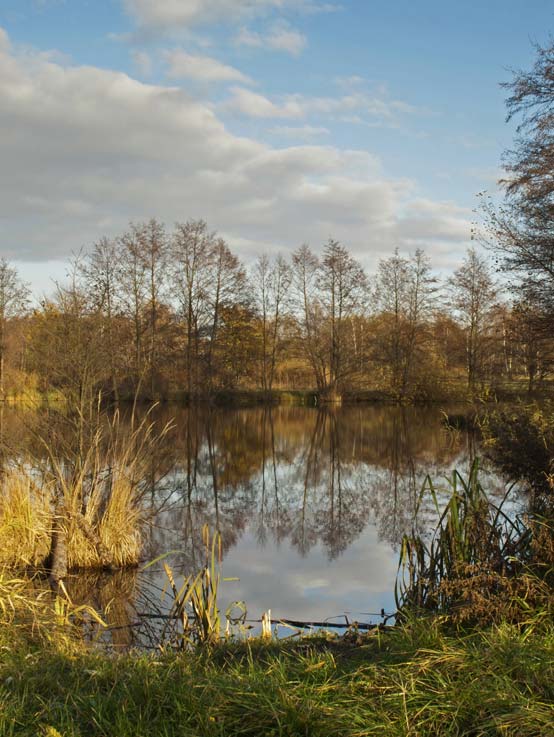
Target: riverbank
(446,391)
(415,680)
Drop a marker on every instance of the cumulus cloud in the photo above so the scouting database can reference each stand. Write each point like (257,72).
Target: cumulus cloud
(182,65)
(143,63)
(255,105)
(167,14)
(4,41)
(359,107)
(280,36)
(427,221)
(84,150)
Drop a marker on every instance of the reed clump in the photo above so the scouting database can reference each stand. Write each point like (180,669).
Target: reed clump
(81,508)
(25,520)
(102,517)
(482,564)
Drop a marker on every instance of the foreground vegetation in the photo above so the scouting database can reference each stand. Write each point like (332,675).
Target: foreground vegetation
(472,652)
(416,680)
(79,504)
(421,678)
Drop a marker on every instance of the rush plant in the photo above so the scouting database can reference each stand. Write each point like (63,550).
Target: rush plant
(476,564)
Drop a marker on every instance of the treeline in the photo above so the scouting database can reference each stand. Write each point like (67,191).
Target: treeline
(176,314)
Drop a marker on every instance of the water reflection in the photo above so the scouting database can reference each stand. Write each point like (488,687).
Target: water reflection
(311,503)
(301,476)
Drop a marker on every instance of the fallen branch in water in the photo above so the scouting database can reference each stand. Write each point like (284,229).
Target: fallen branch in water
(366,626)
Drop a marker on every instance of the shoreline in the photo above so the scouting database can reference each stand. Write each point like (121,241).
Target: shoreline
(306,398)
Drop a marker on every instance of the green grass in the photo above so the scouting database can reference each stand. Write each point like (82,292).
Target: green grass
(413,681)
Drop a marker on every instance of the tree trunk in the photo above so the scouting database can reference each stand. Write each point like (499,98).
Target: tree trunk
(57,562)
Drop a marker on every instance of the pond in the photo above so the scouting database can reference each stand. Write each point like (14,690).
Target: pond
(311,504)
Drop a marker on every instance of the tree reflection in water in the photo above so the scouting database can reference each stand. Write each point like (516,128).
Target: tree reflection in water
(301,482)
(299,475)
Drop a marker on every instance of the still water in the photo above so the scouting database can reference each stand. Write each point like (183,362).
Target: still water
(311,505)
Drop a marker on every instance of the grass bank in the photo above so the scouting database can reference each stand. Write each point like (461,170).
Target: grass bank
(413,681)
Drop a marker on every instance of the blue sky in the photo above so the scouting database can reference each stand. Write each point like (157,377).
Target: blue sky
(279,121)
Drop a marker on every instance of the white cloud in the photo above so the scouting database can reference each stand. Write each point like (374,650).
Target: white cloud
(427,221)
(168,14)
(84,150)
(4,41)
(353,82)
(281,36)
(300,132)
(255,105)
(358,107)
(372,105)
(182,65)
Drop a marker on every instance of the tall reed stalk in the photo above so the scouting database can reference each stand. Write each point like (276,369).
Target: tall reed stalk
(195,603)
(469,564)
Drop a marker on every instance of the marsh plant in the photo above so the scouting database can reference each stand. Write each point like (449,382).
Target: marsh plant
(195,617)
(79,505)
(483,563)
(26,519)
(520,441)
(34,614)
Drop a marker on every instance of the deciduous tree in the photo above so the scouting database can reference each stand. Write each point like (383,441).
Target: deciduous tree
(14,296)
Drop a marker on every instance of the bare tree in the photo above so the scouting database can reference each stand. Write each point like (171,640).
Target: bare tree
(271,281)
(68,343)
(531,162)
(342,284)
(405,291)
(473,296)
(305,274)
(14,295)
(227,288)
(154,253)
(521,231)
(528,343)
(192,251)
(134,294)
(101,269)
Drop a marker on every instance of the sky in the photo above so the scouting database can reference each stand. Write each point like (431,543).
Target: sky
(278,121)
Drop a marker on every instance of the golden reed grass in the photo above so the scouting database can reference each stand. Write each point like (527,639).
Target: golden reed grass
(93,501)
(105,530)
(25,520)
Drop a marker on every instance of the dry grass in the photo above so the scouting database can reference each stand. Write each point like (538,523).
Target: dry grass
(92,499)
(102,520)
(104,530)
(25,520)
